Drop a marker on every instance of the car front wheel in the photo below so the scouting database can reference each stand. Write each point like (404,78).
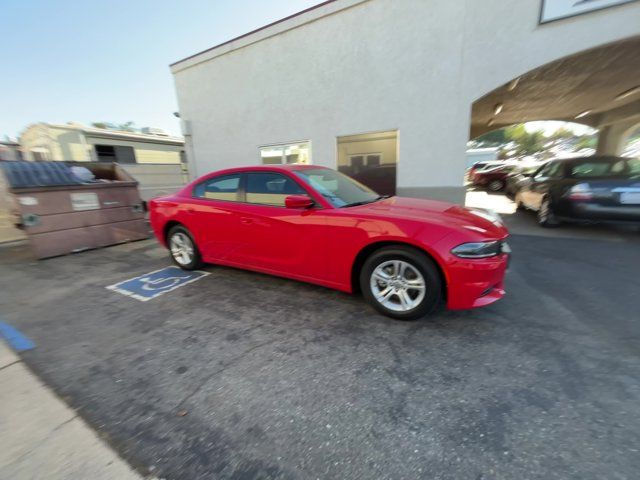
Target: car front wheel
(401,282)
(183,249)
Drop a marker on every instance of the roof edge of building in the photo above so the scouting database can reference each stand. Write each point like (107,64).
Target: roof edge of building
(104,133)
(311,14)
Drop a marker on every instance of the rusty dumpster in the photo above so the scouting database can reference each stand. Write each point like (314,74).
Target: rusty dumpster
(66,207)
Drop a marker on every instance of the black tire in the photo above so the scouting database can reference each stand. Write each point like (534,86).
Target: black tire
(420,262)
(196,259)
(546,216)
(495,185)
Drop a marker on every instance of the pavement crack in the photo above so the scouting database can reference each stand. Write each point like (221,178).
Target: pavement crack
(8,365)
(41,441)
(226,365)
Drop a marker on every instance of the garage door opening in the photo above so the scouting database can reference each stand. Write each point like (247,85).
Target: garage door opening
(599,88)
(370,158)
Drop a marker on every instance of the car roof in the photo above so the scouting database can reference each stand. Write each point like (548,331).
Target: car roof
(256,168)
(266,168)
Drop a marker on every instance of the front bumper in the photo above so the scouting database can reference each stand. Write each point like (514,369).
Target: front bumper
(475,283)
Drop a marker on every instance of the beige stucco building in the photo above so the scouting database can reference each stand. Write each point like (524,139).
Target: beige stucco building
(156,161)
(426,76)
(72,141)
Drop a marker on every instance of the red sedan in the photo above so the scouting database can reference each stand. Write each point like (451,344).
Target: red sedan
(317,225)
(493,178)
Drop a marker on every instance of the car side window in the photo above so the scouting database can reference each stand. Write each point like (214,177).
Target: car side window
(268,188)
(555,171)
(591,169)
(225,187)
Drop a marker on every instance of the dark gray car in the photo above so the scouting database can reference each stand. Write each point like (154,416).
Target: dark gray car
(594,189)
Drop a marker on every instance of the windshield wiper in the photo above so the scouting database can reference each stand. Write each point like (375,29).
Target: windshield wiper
(364,202)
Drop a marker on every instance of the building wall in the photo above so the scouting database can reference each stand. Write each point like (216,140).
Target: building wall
(376,65)
(9,151)
(67,144)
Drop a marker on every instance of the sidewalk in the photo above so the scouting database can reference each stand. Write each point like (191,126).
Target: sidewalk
(42,437)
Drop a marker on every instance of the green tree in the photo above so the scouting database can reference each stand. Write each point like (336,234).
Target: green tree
(585,141)
(560,136)
(525,143)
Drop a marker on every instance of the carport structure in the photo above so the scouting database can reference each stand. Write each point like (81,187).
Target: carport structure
(599,87)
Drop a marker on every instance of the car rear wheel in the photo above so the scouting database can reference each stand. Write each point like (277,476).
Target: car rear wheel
(183,249)
(401,282)
(495,185)
(546,216)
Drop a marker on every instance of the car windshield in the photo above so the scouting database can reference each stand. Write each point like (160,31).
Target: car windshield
(338,189)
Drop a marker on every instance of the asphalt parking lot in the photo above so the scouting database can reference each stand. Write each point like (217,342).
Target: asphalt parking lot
(242,376)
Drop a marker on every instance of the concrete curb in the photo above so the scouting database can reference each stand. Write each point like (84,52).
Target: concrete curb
(43,437)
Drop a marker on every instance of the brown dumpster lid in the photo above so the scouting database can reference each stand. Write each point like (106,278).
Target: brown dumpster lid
(23,174)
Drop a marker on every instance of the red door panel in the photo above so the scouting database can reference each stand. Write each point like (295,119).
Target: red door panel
(285,240)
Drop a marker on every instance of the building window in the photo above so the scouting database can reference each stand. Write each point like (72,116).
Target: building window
(370,158)
(115,153)
(40,155)
(288,153)
(270,188)
(359,162)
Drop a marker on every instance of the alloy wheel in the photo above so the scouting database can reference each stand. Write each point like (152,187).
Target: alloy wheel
(398,285)
(181,248)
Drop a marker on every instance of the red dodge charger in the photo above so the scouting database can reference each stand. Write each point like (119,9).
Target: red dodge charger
(317,225)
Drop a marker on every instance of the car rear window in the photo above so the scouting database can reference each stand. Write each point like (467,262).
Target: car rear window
(603,168)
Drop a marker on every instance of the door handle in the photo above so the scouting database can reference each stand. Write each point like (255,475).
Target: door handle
(190,210)
(246,220)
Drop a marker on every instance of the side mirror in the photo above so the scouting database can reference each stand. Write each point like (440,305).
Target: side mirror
(298,201)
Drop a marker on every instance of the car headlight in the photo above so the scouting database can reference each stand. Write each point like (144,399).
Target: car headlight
(481,249)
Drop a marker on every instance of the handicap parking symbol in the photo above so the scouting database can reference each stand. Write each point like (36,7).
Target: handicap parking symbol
(153,284)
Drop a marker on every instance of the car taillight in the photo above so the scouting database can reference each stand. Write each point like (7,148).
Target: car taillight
(580,192)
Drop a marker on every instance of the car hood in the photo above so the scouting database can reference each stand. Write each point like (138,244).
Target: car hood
(474,220)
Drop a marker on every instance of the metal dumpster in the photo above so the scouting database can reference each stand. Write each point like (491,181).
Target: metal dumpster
(62,213)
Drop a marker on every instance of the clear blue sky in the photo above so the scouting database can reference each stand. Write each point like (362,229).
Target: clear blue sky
(72,60)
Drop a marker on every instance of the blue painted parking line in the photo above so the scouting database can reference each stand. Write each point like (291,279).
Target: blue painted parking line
(15,338)
(153,284)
